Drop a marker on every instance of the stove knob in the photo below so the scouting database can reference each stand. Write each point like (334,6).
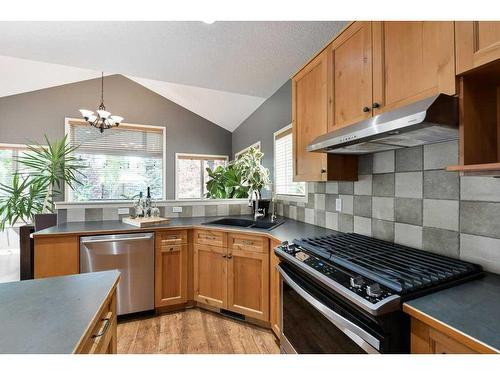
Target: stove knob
(374,290)
(357,282)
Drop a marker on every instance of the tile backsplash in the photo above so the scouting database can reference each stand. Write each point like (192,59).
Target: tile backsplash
(407,197)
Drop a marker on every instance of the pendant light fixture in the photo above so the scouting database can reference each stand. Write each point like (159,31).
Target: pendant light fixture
(103,119)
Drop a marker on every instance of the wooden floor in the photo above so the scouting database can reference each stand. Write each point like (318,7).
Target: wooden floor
(193,331)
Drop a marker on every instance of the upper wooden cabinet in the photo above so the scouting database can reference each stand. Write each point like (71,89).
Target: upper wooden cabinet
(477,44)
(411,60)
(350,76)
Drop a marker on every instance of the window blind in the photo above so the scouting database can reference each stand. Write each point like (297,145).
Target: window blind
(283,174)
(122,140)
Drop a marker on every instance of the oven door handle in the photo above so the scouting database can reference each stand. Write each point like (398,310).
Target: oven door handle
(366,341)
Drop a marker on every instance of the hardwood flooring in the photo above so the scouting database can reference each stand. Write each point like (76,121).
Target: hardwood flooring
(193,331)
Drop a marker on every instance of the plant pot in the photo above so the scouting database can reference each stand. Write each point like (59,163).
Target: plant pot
(43,221)
(263,206)
(26,247)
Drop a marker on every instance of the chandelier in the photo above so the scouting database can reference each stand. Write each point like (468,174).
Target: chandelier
(103,119)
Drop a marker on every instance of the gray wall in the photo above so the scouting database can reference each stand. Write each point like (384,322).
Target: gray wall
(274,114)
(31,115)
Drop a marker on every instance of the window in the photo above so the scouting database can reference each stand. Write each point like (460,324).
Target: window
(283,165)
(8,164)
(191,174)
(256,145)
(121,162)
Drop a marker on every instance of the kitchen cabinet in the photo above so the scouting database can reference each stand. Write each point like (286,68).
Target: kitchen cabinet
(56,256)
(310,120)
(411,61)
(274,290)
(350,76)
(248,282)
(210,275)
(477,44)
(171,268)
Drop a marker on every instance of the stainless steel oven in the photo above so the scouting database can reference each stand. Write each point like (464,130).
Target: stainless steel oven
(315,321)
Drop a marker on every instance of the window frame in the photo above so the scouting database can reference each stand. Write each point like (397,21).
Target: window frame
(68,121)
(254,145)
(286,197)
(200,156)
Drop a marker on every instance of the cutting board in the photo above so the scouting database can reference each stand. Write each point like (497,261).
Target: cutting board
(145,222)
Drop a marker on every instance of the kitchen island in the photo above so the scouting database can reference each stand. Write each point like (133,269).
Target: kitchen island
(60,315)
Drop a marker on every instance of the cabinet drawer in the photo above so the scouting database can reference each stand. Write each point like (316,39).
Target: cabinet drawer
(101,335)
(171,237)
(210,237)
(237,241)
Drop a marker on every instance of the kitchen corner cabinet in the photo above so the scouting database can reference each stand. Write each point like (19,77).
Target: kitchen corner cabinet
(274,290)
(309,120)
(235,277)
(56,256)
(171,268)
(411,61)
(477,44)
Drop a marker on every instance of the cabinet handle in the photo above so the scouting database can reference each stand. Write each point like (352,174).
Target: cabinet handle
(171,249)
(323,170)
(366,109)
(375,105)
(229,256)
(104,329)
(224,256)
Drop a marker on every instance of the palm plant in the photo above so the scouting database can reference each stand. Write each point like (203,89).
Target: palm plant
(45,169)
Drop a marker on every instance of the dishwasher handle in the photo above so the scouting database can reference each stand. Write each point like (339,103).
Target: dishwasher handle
(117,239)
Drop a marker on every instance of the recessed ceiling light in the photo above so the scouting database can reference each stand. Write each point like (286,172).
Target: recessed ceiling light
(208,22)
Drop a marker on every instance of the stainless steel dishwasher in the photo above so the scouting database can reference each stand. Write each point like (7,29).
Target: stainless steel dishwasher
(131,254)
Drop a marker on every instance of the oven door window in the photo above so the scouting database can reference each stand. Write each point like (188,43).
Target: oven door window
(309,331)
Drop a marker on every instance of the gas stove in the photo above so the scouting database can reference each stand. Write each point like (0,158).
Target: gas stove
(375,275)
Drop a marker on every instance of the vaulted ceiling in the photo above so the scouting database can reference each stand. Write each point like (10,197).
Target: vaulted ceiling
(222,71)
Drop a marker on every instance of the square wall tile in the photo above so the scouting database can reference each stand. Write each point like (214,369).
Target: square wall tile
(245,209)
(481,218)
(293,213)
(363,225)
(383,230)
(346,187)
(330,202)
(62,216)
(222,210)
(110,213)
(383,208)
(440,155)
(187,211)
(408,210)
(332,187)
(474,188)
(346,223)
(410,159)
(320,218)
(199,210)
(364,185)
(319,201)
(408,235)
(286,210)
(309,203)
(409,185)
(441,184)
(210,210)
(365,164)
(383,162)
(76,215)
(440,213)
(347,204)
(309,216)
(383,185)
(332,220)
(441,241)
(482,250)
(301,213)
(362,205)
(235,209)
(319,187)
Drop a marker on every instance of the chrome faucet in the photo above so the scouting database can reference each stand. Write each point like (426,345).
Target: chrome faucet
(257,212)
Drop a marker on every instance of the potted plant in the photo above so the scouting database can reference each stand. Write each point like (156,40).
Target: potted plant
(225,183)
(254,175)
(43,169)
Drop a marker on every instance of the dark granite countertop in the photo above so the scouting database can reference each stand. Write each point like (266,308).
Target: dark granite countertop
(287,231)
(51,315)
(472,309)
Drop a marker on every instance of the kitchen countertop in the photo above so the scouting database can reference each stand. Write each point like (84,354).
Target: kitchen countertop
(471,309)
(287,231)
(51,315)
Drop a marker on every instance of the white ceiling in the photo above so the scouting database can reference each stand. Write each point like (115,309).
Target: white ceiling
(222,71)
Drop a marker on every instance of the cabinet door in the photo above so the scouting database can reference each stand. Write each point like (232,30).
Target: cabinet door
(309,118)
(274,295)
(411,61)
(210,275)
(170,275)
(248,283)
(350,82)
(478,43)
(56,256)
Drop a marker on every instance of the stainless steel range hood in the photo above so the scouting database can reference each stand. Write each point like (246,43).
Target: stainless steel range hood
(431,120)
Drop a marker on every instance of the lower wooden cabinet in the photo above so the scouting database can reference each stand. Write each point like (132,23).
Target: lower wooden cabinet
(274,291)
(210,275)
(56,256)
(171,268)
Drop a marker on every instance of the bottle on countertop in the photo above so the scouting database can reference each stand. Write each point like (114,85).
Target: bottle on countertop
(147,206)
(139,207)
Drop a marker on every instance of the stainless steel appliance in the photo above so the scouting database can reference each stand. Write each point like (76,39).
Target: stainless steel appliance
(343,293)
(132,255)
(431,120)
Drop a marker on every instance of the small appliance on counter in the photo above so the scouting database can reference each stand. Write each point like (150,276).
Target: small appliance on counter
(146,214)
(343,293)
